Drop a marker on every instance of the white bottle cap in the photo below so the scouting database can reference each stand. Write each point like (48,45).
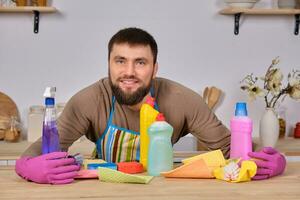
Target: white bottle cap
(50,92)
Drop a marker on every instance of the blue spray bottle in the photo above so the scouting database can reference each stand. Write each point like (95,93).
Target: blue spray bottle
(50,139)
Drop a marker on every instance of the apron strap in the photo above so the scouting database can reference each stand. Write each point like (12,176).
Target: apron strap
(111,114)
(152,95)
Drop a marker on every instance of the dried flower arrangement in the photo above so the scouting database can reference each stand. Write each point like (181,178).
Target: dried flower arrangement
(273,88)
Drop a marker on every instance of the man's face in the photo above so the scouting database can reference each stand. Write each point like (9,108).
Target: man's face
(131,70)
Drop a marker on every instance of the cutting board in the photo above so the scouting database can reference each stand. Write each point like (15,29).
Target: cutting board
(8,108)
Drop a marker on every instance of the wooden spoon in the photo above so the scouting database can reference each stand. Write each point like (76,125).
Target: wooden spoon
(213,97)
(205,94)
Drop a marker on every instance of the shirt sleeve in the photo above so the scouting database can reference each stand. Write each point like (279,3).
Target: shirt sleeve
(205,126)
(74,121)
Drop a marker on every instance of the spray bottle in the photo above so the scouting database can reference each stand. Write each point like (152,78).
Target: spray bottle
(160,155)
(147,117)
(50,138)
(241,130)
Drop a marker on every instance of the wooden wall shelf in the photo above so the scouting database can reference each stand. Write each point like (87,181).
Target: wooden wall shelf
(27,9)
(237,12)
(30,9)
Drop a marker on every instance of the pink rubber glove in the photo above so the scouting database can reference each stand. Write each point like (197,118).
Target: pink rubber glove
(53,168)
(269,163)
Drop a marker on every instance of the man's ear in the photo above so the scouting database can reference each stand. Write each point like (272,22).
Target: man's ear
(155,70)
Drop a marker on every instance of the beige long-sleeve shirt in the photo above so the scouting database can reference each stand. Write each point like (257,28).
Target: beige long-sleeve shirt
(87,113)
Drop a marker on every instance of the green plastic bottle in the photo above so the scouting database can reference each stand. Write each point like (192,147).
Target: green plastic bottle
(160,153)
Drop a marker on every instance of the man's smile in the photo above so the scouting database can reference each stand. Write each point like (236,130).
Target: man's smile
(128,83)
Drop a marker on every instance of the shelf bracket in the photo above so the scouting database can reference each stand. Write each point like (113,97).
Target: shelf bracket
(237,23)
(36,21)
(297,22)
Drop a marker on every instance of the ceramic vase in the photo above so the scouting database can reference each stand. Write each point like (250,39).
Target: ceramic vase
(269,128)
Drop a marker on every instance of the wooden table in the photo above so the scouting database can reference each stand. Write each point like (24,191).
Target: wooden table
(286,186)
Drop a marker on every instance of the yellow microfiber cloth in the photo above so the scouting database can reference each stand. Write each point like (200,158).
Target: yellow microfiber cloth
(235,174)
(194,169)
(114,176)
(213,159)
(213,164)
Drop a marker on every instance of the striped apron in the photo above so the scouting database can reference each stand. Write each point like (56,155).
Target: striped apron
(119,144)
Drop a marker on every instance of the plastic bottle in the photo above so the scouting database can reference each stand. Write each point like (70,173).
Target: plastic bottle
(160,155)
(241,130)
(147,117)
(50,139)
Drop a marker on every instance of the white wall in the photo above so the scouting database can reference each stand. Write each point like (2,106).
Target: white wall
(197,48)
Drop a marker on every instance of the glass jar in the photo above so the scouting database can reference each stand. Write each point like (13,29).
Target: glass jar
(13,134)
(7,3)
(282,121)
(35,122)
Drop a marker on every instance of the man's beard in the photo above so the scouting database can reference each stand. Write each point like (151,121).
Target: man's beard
(131,98)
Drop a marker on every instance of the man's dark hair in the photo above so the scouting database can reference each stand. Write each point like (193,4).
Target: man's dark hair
(133,36)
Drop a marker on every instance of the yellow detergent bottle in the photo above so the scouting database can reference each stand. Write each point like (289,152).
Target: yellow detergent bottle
(147,117)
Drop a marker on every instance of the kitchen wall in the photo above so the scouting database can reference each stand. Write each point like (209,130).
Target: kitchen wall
(197,48)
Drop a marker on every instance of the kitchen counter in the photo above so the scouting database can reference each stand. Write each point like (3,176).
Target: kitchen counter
(9,152)
(281,187)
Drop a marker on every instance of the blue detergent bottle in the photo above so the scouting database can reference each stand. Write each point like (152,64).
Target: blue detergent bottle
(160,153)
(50,138)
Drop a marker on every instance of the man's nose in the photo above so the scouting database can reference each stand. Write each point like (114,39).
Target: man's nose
(130,69)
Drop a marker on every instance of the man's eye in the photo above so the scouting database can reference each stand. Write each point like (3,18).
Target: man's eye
(141,63)
(120,61)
